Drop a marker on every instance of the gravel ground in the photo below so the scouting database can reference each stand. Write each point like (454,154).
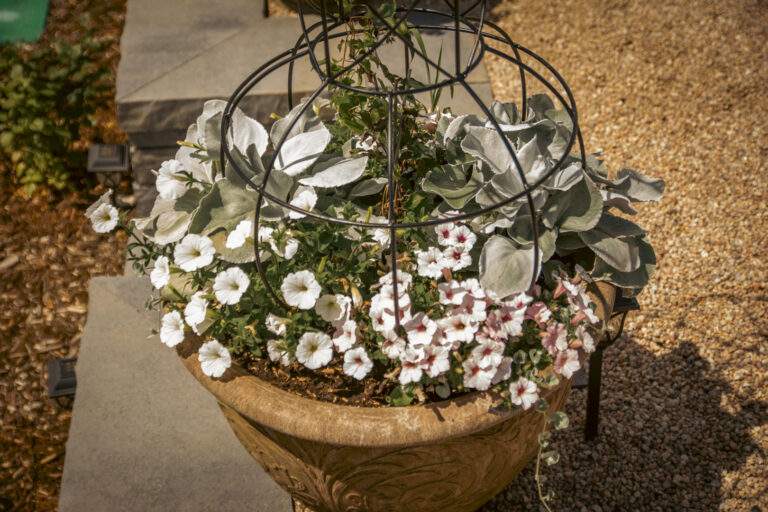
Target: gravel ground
(678,90)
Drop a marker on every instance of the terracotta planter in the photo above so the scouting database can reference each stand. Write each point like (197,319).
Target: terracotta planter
(450,456)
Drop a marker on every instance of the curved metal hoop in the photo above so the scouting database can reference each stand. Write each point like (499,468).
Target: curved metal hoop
(328,30)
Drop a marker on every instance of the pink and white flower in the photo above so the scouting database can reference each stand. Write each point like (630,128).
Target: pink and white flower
(420,329)
(436,360)
(444,232)
(430,263)
(457,257)
(357,364)
(411,370)
(393,345)
(488,354)
(524,393)
(462,236)
(450,293)
(458,327)
(567,363)
(555,338)
(476,376)
(539,313)
(587,341)
(345,336)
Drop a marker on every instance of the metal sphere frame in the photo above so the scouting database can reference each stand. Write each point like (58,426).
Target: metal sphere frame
(462,23)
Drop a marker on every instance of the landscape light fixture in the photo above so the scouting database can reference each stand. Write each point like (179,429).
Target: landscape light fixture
(61,377)
(109,162)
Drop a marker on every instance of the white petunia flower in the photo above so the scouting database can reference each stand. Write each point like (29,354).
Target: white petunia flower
(488,354)
(476,376)
(300,289)
(524,393)
(275,324)
(332,308)
(170,182)
(195,310)
(411,370)
(161,272)
(345,336)
(357,364)
(315,349)
(193,252)
(172,329)
(214,358)
(240,234)
(304,198)
(230,285)
(457,257)
(290,247)
(444,233)
(567,363)
(462,236)
(420,329)
(436,360)
(104,218)
(380,235)
(393,345)
(430,263)
(278,352)
(458,327)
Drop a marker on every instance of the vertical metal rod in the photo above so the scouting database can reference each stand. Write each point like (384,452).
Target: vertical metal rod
(592,423)
(326,46)
(265,8)
(391,160)
(457,36)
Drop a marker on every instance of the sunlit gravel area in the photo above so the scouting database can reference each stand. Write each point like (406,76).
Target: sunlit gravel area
(676,90)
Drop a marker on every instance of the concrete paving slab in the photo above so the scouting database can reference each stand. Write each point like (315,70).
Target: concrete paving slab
(159,95)
(144,435)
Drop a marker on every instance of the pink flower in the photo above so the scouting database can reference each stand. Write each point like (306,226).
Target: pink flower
(463,236)
(539,313)
(451,293)
(524,393)
(475,376)
(444,233)
(488,354)
(458,327)
(554,339)
(393,345)
(567,363)
(512,320)
(436,360)
(420,329)
(411,370)
(457,257)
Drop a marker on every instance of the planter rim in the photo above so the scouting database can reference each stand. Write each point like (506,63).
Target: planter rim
(348,425)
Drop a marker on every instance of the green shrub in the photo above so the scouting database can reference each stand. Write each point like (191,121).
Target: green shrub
(49,97)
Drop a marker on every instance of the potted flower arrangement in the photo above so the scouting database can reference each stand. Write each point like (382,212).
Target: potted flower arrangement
(369,367)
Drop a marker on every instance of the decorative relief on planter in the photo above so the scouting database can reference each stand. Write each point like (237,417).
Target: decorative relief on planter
(457,474)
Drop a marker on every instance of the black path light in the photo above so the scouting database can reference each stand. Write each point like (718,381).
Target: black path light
(456,20)
(109,162)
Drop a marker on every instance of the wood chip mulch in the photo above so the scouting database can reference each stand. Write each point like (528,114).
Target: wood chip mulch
(48,253)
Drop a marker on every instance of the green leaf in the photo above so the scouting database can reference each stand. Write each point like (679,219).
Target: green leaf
(504,267)
(368,187)
(576,209)
(637,186)
(401,396)
(450,183)
(615,241)
(635,279)
(335,172)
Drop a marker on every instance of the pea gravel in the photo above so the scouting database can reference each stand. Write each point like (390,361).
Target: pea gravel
(677,90)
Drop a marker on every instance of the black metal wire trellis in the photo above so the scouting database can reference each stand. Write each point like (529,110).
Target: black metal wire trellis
(327,29)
